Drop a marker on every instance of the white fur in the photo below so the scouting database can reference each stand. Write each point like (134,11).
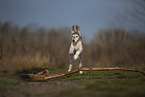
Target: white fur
(75,51)
(78,47)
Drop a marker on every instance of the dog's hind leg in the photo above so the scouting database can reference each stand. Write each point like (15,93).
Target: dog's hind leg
(80,63)
(71,62)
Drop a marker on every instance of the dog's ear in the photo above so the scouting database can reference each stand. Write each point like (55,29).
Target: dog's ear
(78,29)
(72,29)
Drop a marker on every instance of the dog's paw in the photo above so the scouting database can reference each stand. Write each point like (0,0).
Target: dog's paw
(71,51)
(75,57)
(81,72)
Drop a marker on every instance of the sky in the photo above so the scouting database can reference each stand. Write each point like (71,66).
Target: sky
(90,15)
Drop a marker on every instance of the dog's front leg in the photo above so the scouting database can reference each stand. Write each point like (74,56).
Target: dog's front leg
(71,52)
(76,56)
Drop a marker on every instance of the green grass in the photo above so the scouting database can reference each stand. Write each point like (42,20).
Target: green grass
(7,80)
(108,83)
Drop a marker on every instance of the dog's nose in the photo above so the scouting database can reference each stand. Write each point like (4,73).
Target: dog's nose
(73,40)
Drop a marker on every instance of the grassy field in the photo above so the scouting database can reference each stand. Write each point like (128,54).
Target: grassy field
(109,83)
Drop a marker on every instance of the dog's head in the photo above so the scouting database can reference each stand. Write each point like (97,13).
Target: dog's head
(76,35)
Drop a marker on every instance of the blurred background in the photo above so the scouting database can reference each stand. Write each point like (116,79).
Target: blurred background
(36,33)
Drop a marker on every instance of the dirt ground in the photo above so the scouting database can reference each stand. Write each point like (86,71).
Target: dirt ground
(38,89)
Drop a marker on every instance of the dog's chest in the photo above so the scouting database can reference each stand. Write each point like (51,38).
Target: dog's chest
(77,45)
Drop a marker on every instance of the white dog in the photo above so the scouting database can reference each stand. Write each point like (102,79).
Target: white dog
(76,47)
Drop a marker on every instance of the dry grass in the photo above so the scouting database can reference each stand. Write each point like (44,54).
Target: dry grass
(24,49)
(27,62)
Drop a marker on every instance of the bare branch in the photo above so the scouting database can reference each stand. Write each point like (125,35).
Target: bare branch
(142,5)
(139,12)
(137,17)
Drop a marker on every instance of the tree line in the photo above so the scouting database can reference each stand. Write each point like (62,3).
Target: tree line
(23,49)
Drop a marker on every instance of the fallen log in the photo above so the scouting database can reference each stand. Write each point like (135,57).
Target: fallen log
(38,76)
